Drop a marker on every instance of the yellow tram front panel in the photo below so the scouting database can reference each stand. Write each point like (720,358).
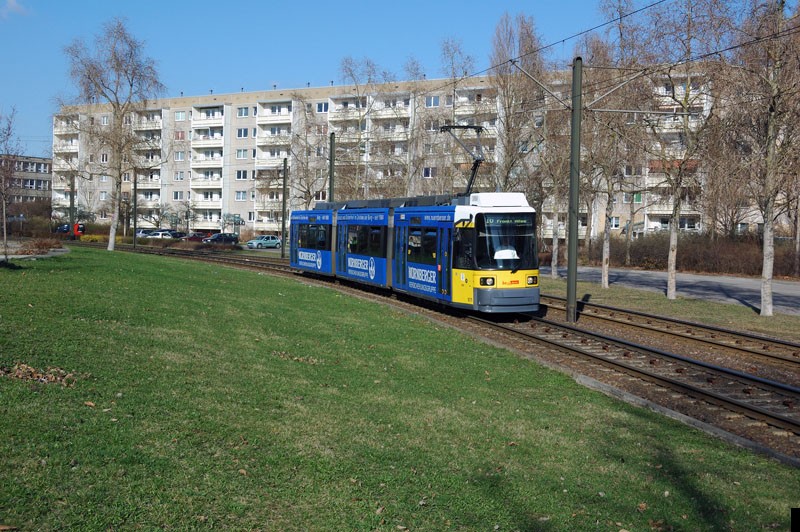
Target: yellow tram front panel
(520,284)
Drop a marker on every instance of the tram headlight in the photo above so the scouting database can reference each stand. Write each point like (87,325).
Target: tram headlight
(487,281)
(533,280)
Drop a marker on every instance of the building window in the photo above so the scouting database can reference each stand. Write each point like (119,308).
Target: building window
(431,101)
(180,134)
(104,120)
(322,107)
(614,222)
(242,112)
(180,155)
(241,195)
(626,197)
(103,157)
(241,133)
(321,195)
(104,179)
(429,171)
(448,100)
(126,177)
(178,176)
(241,154)
(177,195)
(103,195)
(180,116)
(241,174)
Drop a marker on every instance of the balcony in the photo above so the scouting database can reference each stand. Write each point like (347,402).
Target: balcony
(207,183)
(65,147)
(201,161)
(207,204)
(347,113)
(202,120)
(65,128)
(145,183)
(273,140)
(266,117)
(207,141)
(390,112)
(269,163)
(153,123)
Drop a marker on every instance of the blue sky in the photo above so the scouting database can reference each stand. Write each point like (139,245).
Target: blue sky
(253,44)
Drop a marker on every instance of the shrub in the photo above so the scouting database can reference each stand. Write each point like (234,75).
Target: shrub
(741,255)
(39,246)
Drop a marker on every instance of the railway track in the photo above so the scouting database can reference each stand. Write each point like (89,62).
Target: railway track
(771,350)
(755,407)
(758,410)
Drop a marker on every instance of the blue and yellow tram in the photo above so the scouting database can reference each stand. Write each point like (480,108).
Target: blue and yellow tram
(474,252)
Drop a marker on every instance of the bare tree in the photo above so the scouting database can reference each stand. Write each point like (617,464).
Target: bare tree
(10,151)
(118,79)
(354,178)
(516,55)
(767,68)
(679,33)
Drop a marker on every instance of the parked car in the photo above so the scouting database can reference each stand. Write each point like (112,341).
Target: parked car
(160,234)
(222,238)
(143,233)
(64,228)
(195,237)
(177,234)
(264,241)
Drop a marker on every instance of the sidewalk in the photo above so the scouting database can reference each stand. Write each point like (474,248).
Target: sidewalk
(727,289)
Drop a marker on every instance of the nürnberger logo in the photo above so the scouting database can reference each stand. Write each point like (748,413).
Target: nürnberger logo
(425,276)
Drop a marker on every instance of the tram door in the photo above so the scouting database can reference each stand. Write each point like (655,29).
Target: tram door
(400,256)
(443,261)
(341,249)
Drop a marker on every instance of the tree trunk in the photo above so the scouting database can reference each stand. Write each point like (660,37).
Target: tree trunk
(768,261)
(112,232)
(554,256)
(629,236)
(797,240)
(5,227)
(672,257)
(607,244)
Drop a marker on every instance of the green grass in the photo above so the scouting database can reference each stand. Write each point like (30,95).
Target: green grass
(209,397)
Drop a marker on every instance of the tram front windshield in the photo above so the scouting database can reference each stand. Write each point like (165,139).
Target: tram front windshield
(506,241)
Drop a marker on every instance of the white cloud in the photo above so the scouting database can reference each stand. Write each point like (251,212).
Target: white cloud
(12,7)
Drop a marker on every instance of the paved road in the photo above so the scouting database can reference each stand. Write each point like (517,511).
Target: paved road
(738,290)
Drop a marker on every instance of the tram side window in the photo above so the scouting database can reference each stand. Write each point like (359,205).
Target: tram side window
(367,240)
(314,237)
(464,249)
(422,245)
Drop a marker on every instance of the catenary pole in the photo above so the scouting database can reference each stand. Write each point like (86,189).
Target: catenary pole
(574,185)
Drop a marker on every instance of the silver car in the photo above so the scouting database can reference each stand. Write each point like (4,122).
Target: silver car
(264,241)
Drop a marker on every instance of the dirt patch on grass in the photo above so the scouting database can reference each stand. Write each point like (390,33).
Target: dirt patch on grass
(50,375)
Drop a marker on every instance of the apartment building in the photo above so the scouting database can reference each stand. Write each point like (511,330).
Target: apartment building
(32,178)
(215,162)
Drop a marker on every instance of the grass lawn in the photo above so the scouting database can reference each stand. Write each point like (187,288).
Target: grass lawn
(201,397)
